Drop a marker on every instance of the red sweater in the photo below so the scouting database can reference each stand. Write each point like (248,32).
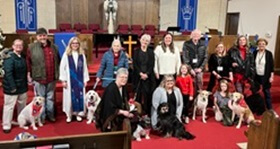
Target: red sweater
(185,84)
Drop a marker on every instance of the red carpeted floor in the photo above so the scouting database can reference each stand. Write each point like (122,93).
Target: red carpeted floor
(212,135)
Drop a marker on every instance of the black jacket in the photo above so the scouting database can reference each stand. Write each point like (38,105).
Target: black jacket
(247,66)
(15,77)
(269,67)
(191,51)
(137,67)
(224,62)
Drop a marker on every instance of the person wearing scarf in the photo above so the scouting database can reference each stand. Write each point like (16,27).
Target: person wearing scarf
(74,76)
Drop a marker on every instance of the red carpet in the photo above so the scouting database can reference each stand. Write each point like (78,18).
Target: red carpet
(212,135)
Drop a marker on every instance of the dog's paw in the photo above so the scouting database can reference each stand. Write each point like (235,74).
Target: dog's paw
(35,128)
(147,137)
(238,126)
(25,127)
(89,121)
(204,121)
(193,118)
(138,139)
(40,125)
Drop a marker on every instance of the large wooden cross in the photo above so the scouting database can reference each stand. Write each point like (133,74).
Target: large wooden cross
(130,43)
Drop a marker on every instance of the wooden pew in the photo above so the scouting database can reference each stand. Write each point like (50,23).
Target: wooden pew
(265,135)
(116,140)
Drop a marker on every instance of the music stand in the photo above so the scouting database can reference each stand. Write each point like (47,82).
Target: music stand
(173,29)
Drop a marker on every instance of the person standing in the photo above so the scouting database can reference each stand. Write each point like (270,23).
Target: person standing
(195,55)
(43,70)
(264,69)
(143,74)
(14,84)
(74,76)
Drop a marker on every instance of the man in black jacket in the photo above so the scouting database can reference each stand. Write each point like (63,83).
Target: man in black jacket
(195,55)
(14,84)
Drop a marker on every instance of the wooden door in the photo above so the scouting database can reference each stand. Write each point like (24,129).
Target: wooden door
(232,21)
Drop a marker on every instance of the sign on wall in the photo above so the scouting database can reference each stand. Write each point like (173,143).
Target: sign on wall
(187,14)
(26,14)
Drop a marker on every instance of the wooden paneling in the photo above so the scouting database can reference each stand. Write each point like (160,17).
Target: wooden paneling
(91,11)
(277,50)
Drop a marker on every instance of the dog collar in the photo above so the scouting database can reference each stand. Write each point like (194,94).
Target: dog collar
(91,104)
(242,103)
(36,110)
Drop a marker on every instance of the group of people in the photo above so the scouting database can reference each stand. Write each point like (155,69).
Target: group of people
(159,75)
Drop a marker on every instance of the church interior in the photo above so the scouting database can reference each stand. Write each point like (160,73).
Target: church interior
(98,22)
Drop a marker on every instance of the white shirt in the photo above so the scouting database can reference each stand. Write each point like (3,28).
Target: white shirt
(75,55)
(167,62)
(260,63)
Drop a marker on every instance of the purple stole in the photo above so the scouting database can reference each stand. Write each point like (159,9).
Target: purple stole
(77,83)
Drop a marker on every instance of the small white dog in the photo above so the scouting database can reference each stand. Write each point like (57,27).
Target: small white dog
(32,113)
(200,103)
(92,101)
(240,108)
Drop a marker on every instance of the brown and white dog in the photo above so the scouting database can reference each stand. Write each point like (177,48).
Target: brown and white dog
(239,107)
(201,102)
(92,101)
(32,113)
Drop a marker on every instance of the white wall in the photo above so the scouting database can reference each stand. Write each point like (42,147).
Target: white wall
(211,13)
(257,17)
(45,14)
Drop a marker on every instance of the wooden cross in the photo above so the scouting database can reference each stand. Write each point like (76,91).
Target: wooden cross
(130,43)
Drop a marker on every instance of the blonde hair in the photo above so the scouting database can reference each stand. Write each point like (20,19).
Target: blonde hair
(69,49)
(164,80)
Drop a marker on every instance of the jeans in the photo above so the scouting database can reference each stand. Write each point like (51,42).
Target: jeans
(46,91)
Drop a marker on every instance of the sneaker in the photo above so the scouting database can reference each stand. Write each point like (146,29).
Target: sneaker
(6,130)
(79,118)
(68,120)
(51,119)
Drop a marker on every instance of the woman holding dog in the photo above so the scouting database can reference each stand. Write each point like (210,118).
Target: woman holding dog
(264,69)
(74,76)
(167,92)
(14,84)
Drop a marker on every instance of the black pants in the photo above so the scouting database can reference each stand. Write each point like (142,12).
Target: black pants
(144,95)
(186,106)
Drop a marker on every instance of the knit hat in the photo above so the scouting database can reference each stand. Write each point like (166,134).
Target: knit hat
(41,31)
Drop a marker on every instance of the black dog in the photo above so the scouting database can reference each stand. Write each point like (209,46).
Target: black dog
(169,125)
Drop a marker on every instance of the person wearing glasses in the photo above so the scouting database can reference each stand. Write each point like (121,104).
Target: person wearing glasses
(74,76)
(14,84)
(167,92)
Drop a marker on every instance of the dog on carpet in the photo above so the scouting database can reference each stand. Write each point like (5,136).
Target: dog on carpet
(137,123)
(239,107)
(32,113)
(200,103)
(169,125)
(92,101)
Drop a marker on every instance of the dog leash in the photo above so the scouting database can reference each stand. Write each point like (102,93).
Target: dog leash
(95,85)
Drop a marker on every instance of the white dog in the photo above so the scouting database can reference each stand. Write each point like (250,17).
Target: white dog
(201,102)
(92,101)
(240,108)
(32,113)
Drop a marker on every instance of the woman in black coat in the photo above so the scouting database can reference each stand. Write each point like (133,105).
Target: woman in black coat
(143,73)
(264,69)
(219,66)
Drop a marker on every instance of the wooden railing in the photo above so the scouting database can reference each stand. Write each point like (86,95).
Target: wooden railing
(116,140)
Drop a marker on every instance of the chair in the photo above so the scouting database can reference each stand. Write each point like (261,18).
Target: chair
(102,31)
(162,32)
(136,27)
(123,27)
(150,32)
(64,26)
(122,31)
(22,31)
(186,32)
(94,27)
(78,27)
(52,31)
(70,31)
(137,32)
(150,27)
(86,31)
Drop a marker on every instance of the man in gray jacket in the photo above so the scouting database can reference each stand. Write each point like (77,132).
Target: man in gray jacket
(195,55)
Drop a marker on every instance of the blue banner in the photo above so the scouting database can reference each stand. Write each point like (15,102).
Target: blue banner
(26,15)
(187,14)
(61,40)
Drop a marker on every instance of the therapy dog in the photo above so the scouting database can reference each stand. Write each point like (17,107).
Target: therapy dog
(137,123)
(200,103)
(92,101)
(239,107)
(32,113)
(169,125)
